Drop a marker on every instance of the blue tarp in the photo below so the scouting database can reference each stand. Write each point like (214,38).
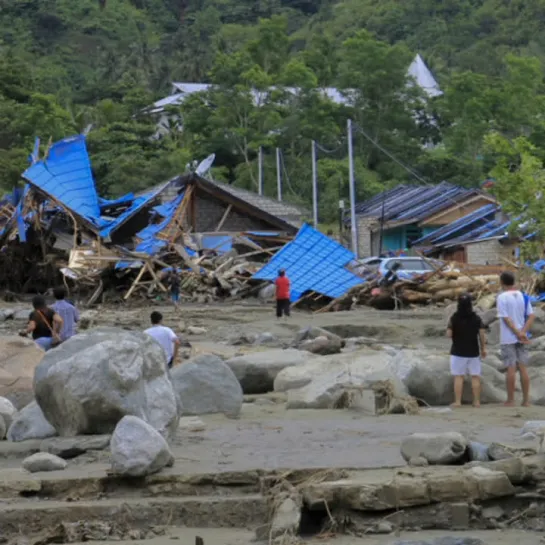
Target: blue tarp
(313,262)
(218,243)
(65,174)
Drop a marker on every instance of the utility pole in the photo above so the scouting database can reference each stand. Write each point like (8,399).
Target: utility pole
(278,175)
(260,173)
(314,186)
(352,184)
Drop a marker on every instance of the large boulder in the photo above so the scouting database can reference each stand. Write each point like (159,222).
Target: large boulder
(322,346)
(30,423)
(8,412)
(429,379)
(19,358)
(43,461)
(207,385)
(90,382)
(137,449)
(437,448)
(256,371)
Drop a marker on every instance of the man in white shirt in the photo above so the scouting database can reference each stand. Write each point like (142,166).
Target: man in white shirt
(516,318)
(165,337)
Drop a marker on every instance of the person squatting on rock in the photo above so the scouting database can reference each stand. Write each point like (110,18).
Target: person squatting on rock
(67,311)
(165,337)
(467,331)
(282,294)
(516,318)
(44,324)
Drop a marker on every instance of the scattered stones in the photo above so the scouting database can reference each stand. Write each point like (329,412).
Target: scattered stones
(30,423)
(437,448)
(191,423)
(86,385)
(478,452)
(19,358)
(418,461)
(71,447)
(207,385)
(323,346)
(137,449)
(257,371)
(194,330)
(8,413)
(286,519)
(43,461)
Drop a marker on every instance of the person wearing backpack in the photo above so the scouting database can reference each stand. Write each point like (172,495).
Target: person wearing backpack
(516,318)
(44,324)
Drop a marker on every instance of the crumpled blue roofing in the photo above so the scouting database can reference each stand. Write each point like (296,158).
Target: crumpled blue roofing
(125,199)
(65,174)
(218,243)
(313,262)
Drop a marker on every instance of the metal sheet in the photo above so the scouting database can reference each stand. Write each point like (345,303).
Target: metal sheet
(313,262)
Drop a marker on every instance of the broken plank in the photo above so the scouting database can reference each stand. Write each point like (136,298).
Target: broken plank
(136,282)
(181,251)
(224,217)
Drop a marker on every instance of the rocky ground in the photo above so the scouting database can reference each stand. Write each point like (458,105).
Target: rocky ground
(273,432)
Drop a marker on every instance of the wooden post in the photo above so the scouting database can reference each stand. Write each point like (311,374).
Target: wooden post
(224,217)
(136,282)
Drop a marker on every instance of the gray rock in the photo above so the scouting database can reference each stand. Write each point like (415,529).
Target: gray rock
(137,449)
(537,344)
(437,448)
(8,413)
(256,371)
(194,330)
(533,426)
(3,428)
(418,461)
(265,338)
(489,317)
(322,346)
(7,314)
(86,385)
(43,461)
(267,293)
(383,527)
(70,447)
(428,378)
(497,451)
(30,423)
(478,452)
(493,512)
(21,314)
(241,339)
(207,385)
(311,332)
(537,359)
(287,518)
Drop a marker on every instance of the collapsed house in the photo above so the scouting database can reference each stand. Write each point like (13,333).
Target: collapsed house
(58,229)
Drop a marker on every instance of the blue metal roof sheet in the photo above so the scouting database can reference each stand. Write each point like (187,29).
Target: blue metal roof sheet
(65,174)
(218,243)
(313,262)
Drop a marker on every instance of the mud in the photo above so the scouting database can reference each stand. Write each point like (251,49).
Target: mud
(265,437)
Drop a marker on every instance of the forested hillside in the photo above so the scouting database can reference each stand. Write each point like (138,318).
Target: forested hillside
(65,64)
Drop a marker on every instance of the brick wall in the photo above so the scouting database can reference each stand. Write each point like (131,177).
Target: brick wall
(365,236)
(489,252)
(209,212)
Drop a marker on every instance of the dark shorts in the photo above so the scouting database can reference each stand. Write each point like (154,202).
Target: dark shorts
(513,354)
(175,296)
(170,363)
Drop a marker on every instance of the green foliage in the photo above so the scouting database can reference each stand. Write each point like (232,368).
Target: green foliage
(65,65)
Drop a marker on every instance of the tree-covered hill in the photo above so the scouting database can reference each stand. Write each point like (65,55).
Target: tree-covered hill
(65,64)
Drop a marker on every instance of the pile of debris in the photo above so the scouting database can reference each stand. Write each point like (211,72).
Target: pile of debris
(441,286)
(58,229)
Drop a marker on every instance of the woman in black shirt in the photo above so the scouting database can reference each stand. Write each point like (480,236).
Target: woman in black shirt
(467,331)
(44,324)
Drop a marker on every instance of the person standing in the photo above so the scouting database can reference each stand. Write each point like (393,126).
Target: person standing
(165,337)
(516,318)
(467,331)
(67,311)
(44,324)
(283,286)
(174,286)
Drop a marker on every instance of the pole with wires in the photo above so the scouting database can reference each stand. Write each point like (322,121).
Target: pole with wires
(314,186)
(352,184)
(278,174)
(260,173)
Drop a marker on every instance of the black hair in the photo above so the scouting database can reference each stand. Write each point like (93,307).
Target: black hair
(507,278)
(465,305)
(281,272)
(156,317)
(38,302)
(59,293)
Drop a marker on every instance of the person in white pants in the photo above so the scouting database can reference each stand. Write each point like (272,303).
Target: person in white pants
(467,331)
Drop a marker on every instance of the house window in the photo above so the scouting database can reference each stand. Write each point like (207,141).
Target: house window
(412,233)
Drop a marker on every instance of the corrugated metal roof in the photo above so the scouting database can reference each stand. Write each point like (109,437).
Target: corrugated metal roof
(479,217)
(313,262)
(65,174)
(407,204)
